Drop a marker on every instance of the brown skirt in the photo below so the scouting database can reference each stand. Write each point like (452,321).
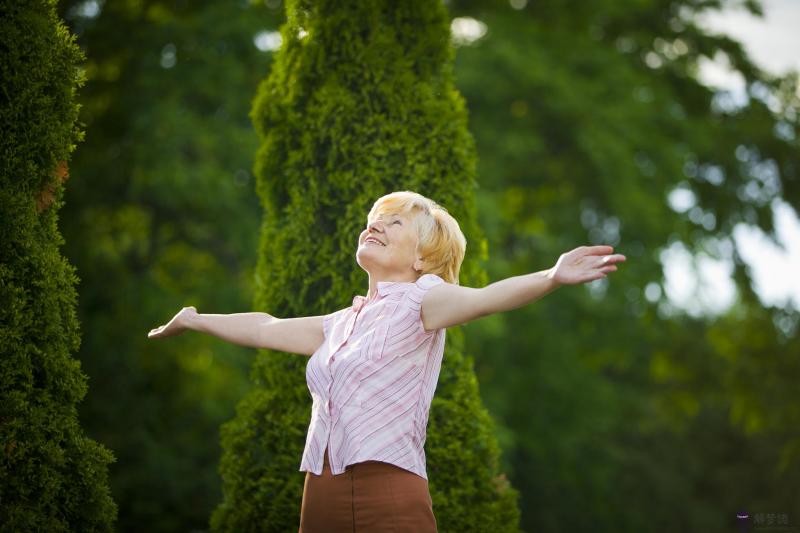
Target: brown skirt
(371,496)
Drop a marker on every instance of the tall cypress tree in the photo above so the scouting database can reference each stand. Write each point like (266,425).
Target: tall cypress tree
(360,102)
(52,478)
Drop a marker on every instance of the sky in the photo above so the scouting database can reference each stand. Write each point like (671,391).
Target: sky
(773,43)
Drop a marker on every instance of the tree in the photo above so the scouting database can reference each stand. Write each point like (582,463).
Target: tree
(618,409)
(53,478)
(360,102)
(161,214)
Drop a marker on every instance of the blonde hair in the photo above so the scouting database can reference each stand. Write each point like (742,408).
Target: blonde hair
(441,244)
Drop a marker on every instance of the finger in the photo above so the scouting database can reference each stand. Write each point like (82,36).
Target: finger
(611,259)
(601,249)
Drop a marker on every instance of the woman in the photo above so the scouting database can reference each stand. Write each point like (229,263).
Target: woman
(374,365)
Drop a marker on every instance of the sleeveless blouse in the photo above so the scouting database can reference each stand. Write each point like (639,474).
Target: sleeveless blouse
(372,381)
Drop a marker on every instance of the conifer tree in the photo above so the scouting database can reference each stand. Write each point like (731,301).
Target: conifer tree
(52,477)
(360,102)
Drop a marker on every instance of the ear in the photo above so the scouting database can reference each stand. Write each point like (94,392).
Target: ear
(418,264)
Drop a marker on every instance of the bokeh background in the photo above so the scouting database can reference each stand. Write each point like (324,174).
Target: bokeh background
(662,398)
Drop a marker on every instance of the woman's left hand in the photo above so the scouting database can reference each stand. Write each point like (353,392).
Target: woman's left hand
(585,263)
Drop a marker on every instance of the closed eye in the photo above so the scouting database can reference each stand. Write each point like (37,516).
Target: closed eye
(397,221)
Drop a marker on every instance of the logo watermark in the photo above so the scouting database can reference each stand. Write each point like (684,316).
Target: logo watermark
(763,522)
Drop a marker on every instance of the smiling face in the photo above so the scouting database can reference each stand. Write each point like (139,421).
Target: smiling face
(387,248)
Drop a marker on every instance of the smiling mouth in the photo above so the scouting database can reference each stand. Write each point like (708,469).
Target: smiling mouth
(374,241)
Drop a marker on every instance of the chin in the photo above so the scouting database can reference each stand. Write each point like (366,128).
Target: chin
(360,259)
(364,260)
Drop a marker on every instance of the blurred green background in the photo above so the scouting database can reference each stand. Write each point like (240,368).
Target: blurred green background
(617,408)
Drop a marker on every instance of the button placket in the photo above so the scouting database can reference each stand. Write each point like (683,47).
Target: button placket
(349,328)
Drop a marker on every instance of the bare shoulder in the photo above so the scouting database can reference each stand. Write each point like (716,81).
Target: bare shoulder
(447,304)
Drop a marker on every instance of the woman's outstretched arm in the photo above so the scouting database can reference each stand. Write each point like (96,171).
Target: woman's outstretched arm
(302,335)
(447,304)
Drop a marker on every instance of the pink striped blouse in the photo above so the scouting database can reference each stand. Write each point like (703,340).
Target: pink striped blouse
(372,381)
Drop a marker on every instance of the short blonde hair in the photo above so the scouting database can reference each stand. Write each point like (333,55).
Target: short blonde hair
(441,244)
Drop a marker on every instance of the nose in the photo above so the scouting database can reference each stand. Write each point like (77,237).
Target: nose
(372,227)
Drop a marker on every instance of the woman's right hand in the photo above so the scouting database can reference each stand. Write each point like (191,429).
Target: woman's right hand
(176,326)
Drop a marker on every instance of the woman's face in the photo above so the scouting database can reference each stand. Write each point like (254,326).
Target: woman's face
(393,256)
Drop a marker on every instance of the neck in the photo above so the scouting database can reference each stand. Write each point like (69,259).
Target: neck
(372,292)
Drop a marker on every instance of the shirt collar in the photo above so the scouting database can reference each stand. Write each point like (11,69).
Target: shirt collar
(384,288)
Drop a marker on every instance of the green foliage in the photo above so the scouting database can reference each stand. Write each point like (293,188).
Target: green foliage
(160,213)
(621,413)
(52,477)
(360,102)
(614,412)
